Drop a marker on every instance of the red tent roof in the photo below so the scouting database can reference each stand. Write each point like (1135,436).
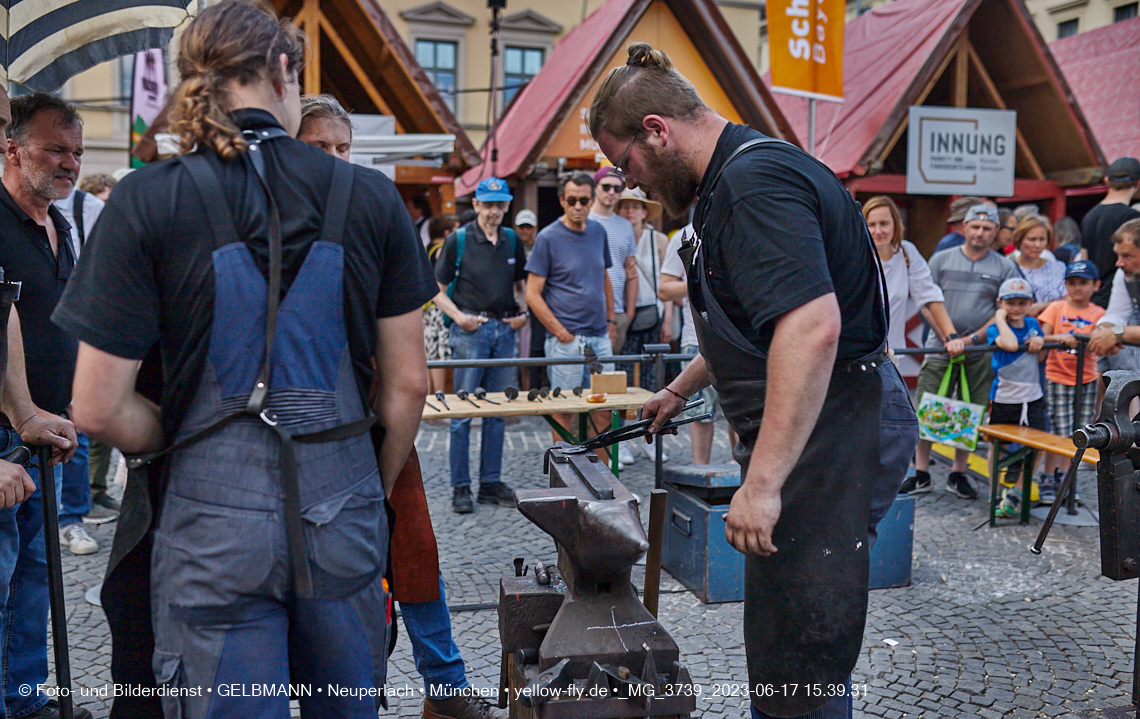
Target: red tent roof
(884,52)
(534,108)
(1102,67)
(543,105)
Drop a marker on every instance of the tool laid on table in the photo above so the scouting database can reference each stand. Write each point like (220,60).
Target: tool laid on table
(577,391)
(439,396)
(462,394)
(429,404)
(635,430)
(533,396)
(544,392)
(481,395)
(511,393)
(556,392)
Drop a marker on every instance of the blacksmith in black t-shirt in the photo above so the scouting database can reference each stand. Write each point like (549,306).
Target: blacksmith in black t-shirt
(272,276)
(788,309)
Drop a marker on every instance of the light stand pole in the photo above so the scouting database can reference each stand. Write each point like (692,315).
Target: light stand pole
(496,6)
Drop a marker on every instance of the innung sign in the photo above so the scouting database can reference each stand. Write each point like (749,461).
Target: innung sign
(961,151)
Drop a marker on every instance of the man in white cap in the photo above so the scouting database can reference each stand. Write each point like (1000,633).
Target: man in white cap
(526,227)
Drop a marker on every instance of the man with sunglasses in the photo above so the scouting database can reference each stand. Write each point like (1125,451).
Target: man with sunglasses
(623,251)
(568,287)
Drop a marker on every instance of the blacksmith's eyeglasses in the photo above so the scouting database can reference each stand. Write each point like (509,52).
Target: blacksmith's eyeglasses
(617,168)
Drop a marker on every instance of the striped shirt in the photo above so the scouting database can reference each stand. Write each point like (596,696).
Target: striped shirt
(619,233)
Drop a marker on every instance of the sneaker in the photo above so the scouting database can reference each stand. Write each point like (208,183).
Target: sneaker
(76,538)
(461,501)
(914,485)
(651,452)
(106,501)
(625,457)
(1048,493)
(462,707)
(497,493)
(1010,504)
(959,485)
(98,514)
(51,710)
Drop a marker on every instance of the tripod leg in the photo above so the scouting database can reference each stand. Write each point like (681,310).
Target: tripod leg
(55,582)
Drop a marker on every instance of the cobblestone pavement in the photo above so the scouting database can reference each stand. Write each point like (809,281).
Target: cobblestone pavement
(985,629)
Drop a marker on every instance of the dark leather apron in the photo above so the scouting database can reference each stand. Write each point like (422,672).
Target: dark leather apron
(806,605)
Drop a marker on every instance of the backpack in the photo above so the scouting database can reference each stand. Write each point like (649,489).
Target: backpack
(460,245)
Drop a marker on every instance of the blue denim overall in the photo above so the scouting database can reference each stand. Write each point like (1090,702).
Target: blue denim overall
(242,607)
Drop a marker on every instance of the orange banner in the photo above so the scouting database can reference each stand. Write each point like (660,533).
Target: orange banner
(806,47)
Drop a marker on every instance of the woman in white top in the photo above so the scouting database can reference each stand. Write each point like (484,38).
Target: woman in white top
(907,274)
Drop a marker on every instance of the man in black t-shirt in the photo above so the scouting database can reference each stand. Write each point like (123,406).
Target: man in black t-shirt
(486,268)
(281,285)
(1102,221)
(784,286)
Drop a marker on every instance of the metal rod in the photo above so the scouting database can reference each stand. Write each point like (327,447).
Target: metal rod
(1070,476)
(811,126)
(50,503)
(652,592)
(658,442)
(1078,397)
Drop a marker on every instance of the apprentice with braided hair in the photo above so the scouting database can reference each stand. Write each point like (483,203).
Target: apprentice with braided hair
(790,317)
(255,513)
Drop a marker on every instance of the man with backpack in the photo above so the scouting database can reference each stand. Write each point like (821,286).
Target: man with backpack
(477,272)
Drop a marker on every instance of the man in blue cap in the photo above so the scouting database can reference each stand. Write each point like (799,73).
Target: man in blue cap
(478,270)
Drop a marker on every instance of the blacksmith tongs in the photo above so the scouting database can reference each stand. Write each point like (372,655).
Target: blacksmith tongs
(635,430)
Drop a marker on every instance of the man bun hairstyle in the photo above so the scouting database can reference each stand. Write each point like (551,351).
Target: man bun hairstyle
(235,40)
(647,84)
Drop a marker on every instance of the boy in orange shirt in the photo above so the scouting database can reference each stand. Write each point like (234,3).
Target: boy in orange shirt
(1075,314)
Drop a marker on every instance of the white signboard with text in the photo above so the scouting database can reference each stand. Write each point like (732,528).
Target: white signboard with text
(956,151)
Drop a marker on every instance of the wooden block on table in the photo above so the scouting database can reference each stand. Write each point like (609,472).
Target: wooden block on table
(607,383)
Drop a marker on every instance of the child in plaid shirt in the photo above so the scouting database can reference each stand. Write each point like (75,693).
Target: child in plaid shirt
(1075,314)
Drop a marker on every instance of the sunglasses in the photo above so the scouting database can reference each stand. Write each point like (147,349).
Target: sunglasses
(583,201)
(610,187)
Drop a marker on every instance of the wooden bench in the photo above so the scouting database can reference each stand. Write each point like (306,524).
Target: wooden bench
(1032,441)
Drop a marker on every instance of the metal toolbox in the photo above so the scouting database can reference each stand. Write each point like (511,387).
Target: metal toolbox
(695,551)
(891,556)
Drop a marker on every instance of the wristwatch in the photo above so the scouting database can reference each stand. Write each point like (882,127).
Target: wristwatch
(954,336)
(975,339)
(1118,330)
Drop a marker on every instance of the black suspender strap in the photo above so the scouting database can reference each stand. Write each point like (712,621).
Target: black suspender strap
(77,215)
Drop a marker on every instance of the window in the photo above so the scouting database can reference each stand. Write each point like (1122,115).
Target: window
(520,64)
(1125,12)
(437,58)
(1068,28)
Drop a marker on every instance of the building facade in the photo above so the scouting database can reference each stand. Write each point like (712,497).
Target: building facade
(1057,19)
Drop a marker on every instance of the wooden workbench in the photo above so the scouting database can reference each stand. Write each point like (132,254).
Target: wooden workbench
(617,404)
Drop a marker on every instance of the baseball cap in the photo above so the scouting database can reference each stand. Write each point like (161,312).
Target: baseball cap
(1015,287)
(604,172)
(959,208)
(1126,169)
(526,217)
(985,213)
(1082,268)
(493,189)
